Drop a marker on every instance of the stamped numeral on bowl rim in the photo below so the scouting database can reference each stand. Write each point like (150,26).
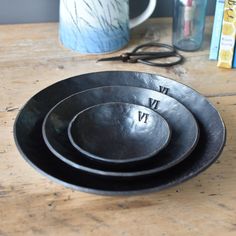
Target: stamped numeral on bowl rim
(143,116)
(163,90)
(153,103)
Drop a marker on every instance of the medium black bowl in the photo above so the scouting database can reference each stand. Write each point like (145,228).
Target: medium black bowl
(29,140)
(184,127)
(119,132)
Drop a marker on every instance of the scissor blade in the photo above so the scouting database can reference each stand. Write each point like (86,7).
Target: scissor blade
(119,58)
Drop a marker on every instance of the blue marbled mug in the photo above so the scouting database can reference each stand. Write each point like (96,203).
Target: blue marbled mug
(98,26)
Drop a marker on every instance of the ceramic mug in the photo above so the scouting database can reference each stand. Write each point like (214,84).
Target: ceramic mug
(98,26)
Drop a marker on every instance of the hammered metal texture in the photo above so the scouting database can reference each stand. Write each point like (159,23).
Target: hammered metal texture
(119,132)
(184,129)
(29,140)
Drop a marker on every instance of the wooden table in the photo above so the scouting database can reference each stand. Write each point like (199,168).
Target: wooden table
(31,59)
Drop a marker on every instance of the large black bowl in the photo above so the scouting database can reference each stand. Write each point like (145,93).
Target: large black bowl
(183,140)
(119,132)
(29,140)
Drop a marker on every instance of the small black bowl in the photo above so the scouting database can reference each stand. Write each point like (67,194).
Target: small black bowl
(119,132)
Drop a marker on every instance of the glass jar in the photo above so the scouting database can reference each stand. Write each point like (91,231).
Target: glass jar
(189,24)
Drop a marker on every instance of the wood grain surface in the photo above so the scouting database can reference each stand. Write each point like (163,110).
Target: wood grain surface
(31,58)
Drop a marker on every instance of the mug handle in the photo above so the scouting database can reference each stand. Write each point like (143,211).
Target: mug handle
(145,15)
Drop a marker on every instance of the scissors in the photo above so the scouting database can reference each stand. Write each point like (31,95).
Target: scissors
(147,57)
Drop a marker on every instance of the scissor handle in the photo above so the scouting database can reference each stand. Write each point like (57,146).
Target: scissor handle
(147,61)
(158,45)
(145,57)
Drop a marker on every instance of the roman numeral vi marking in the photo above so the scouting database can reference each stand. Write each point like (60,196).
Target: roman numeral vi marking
(143,117)
(153,103)
(163,90)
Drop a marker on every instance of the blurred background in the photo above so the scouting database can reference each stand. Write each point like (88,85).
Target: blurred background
(33,11)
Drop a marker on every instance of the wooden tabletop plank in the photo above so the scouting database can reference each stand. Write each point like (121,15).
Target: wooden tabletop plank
(31,58)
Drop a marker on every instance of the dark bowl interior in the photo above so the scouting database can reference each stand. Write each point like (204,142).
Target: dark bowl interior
(119,132)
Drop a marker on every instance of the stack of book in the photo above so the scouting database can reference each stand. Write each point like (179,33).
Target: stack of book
(223,46)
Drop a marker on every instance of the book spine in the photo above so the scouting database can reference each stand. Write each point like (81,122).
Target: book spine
(217,27)
(227,42)
(234,62)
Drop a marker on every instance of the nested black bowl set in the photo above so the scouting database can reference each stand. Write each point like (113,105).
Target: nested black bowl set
(119,132)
